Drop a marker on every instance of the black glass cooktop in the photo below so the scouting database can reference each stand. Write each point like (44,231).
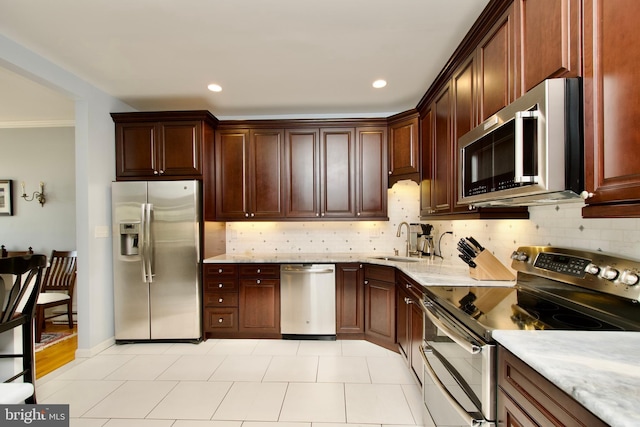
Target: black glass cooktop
(535,303)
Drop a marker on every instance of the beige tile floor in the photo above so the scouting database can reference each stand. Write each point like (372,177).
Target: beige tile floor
(238,383)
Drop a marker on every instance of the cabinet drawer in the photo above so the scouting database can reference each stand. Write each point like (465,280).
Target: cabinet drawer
(222,284)
(221,299)
(220,270)
(260,270)
(259,282)
(378,272)
(221,319)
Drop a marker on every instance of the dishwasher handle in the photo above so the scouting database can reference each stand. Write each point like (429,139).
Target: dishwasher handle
(304,269)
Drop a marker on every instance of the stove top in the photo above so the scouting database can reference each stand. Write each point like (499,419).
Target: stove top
(557,288)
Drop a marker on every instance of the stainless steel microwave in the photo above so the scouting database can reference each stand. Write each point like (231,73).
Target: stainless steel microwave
(529,153)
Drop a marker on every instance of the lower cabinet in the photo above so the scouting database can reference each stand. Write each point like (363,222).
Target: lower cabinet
(409,322)
(380,306)
(349,301)
(241,300)
(526,398)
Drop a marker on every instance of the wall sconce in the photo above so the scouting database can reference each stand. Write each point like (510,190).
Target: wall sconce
(39,196)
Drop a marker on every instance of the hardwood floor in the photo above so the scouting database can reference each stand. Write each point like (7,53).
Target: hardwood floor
(57,355)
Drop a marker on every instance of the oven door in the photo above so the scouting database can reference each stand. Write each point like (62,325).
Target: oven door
(459,372)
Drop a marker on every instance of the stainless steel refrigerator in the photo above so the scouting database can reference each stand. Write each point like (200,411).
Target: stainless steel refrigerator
(156,260)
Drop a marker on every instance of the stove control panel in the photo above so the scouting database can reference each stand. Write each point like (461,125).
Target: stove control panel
(597,271)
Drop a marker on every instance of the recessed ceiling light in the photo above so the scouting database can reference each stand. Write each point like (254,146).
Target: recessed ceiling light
(379,84)
(214,87)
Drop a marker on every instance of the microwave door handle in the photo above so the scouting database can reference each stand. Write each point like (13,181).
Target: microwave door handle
(470,419)
(519,175)
(453,336)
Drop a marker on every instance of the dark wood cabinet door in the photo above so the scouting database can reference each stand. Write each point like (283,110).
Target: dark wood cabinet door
(380,318)
(259,307)
(231,149)
(302,173)
(371,173)
(403,147)
(464,119)
(612,104)
(402,323)
(550,40)
(415,339)
(338,172)
(180,149)
(265,172)
(442,152)
(350,300)
(427,174)
(136,146)
(497,61)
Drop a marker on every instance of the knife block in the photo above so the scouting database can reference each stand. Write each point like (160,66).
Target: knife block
(489,268)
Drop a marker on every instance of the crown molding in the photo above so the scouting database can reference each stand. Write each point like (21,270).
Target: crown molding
(37,124)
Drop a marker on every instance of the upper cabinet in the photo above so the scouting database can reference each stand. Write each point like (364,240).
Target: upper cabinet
(404,147)
(161,145)
(249,172)
(320,165)
(497,65)
(371,172)
(550,40)
(611,99)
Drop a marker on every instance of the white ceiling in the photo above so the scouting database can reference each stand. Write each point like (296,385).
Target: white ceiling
(294,58)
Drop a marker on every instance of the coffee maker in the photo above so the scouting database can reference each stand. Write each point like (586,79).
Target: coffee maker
(425,240)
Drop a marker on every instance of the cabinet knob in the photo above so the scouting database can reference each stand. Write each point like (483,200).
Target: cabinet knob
(220,300)
(258,271)
(155,172)
(258,281)
(219,285)
(252,214)
(366,282)
(220,270)
(317,214)
(246,214)
(322,214)
(408,286)
(390,172)
(358,214)
(220,320)
(586,195)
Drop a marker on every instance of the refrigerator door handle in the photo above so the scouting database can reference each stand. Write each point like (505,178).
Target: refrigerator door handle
(142,241)
(148,249)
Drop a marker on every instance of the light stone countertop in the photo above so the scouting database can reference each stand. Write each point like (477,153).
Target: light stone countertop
(428,271)
(601,370)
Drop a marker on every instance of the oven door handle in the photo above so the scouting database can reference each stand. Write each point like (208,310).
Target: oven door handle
(471,420)
(453,336)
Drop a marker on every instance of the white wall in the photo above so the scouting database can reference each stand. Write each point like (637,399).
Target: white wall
(33,155)
(95,169)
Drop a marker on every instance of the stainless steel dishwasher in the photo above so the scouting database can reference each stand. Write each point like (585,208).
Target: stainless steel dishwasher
(308,301)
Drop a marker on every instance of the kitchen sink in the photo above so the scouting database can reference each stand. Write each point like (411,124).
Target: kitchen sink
(396,258)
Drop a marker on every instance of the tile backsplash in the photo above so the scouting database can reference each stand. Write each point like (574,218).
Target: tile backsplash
(557,225)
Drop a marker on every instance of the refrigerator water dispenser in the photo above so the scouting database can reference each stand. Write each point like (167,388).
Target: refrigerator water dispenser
(129,232)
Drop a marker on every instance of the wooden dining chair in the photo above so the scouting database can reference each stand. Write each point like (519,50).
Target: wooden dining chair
(17,311)
(57,288)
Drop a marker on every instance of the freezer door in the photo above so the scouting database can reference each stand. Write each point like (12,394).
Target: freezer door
(175,241)
(131,292)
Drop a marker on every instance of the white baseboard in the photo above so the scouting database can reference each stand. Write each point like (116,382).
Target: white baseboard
(90,352)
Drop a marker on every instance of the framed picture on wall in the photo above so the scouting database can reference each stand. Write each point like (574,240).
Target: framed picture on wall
(5,197)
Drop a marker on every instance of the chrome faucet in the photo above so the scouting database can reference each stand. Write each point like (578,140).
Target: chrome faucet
(408,235)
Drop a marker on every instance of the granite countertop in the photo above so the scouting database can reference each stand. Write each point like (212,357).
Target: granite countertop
(428,271)
(598,369)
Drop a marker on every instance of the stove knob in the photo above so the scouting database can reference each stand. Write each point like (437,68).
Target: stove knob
(609,273)
(592,269)
(519,256)
(629,278)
